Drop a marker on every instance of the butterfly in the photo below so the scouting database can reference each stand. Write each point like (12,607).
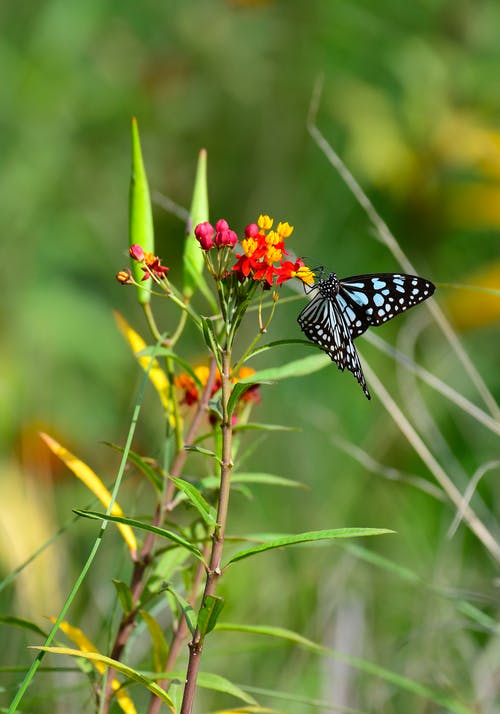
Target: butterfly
(343,309)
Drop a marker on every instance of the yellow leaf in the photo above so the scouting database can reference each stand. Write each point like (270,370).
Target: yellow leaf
(476,308)
(86,645)
(119,666)
(94,484)
(156,374)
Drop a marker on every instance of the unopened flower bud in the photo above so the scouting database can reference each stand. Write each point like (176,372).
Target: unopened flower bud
(226,237)
(124,276)
(204,233)
(221,225)
(136,252)
(252,230)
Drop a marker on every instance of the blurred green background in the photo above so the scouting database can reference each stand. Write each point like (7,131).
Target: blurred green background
(411,101)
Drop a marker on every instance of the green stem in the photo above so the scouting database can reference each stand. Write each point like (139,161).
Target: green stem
(214,571)
(262,331)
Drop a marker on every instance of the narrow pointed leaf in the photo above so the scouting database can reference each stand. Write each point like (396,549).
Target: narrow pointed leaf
(156,375)
(297,368)
(267,479)
(140,213)
(93,483)
(279,343)
(170,535)
(143,466)
(238,391)
(216,683)
(202,450)
(399,681)
(211,340)
(193,260)
(118,666)
(255,426)
(186,609)
(160,647)
(22,623)
(309,537)
(76,635)
(206,511)
(124,595)
(209,612)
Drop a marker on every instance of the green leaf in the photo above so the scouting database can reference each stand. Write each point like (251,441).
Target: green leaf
(141,229)
(193,260)
(160,647)
(209,613)
(238,391)
(206,511)
(170,535)
(214,682)
(251,426)
(201,450)
(143,466)
(307,538)
(118,666)
(279,343)
(124,595)
(210,338)
(186,609)
(397,680)
(22,623)
(259,478)
(297,368)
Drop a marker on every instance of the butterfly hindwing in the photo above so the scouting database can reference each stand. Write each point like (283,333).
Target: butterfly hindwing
(323,323)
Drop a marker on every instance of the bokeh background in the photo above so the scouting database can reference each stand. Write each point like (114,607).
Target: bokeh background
(411,101)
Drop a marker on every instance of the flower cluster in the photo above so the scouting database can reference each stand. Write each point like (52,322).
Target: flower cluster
(192,391)
(264,255)
(152,264)
(221,236)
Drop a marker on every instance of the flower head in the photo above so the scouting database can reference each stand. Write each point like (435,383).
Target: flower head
(154,267)
(263,257)
(191,387)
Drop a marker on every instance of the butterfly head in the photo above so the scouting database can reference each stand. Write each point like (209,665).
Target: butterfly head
(328,287)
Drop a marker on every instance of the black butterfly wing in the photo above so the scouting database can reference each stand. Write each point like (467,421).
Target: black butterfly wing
(370,300)
(323,322)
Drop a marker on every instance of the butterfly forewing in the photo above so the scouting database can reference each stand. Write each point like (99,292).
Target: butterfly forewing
(344,309)
(371,300)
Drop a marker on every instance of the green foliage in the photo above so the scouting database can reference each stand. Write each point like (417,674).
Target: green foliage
(428,160)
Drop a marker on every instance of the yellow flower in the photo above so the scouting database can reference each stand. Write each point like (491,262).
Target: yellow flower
(305,274)
(284,230)
(249,246)
(265,223)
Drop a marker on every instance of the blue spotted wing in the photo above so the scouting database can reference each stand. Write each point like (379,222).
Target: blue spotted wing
(343,309)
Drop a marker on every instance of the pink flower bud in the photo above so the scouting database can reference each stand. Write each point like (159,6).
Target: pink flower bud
(221,225)
(252,230)
(204,233)
(226,237)
(136,252)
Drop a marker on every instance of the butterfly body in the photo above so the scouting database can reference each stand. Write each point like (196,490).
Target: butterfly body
(343,309)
